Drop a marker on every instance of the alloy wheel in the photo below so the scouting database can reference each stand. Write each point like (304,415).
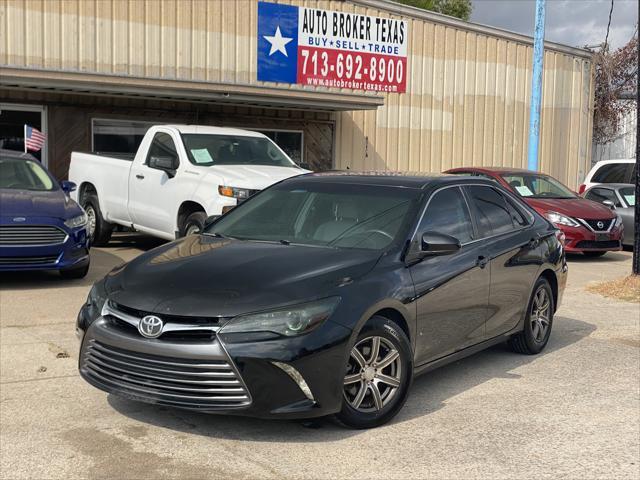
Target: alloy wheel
(373,374)
(540,314)
(191,229)
(91,218)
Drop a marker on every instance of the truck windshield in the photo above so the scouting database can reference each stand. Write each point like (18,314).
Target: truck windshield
(208,150)
(324,215)
(19,174)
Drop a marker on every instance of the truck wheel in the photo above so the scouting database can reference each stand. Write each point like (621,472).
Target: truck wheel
(194,223)
(99,229)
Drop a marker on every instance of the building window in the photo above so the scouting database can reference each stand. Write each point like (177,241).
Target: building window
(117,136)
(290,141)
(13,118)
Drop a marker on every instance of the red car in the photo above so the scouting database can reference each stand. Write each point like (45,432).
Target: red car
(589,227)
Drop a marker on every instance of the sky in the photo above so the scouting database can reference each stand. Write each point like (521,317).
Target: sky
(571,22)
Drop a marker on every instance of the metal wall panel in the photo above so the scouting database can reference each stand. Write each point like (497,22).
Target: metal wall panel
(467,101)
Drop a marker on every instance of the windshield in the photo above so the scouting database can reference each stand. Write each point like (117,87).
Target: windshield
(208,150)
(629,195)
(328,215)
(19,174)
(537,186)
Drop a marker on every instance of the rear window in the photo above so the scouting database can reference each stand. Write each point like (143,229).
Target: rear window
(612,173)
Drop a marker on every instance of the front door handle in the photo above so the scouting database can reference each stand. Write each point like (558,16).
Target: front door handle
(139,176)
(482,261)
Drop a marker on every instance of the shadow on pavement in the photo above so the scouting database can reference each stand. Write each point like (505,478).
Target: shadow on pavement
(429,393)
(607,257)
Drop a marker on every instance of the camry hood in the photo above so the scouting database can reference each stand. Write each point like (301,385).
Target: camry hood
(254,177)
(572,207)
(30,203)
(201,275)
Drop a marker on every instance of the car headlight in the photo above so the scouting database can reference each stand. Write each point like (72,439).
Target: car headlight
(617,222)
(76,222)
(239,193)
(289,322)
(92,309)
(559,219)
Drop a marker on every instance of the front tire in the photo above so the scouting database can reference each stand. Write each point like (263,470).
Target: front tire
(538,322)
(194,223)
(99,229)
(75,273)
(378,376)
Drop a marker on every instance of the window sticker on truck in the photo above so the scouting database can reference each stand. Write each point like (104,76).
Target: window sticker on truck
(201,155)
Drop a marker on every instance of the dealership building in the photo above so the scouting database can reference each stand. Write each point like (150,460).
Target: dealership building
(357,84)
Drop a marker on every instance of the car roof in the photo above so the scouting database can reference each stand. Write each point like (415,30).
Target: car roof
(17,154)
(495,170)
(614,160)
(615,186)
(205,129)
(417,180)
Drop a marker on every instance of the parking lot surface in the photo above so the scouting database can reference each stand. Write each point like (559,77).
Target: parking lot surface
(573,411)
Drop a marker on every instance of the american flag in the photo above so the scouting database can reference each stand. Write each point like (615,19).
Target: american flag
(33,139)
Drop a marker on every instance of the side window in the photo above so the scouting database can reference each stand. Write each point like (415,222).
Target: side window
(610,173)
(516,214)
(162,146)
(631,173)
(493,214)
(601,194)
(448,213)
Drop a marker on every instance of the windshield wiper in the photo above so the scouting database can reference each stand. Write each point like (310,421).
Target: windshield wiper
(217,235)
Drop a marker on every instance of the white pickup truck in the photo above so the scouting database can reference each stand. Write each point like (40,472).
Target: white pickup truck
(180,175)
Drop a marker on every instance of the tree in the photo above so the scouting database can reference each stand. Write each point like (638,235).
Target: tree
(454,8)
(615,84)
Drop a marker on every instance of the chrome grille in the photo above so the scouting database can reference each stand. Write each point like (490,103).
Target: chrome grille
(28,260)
(28,235)
(165,380)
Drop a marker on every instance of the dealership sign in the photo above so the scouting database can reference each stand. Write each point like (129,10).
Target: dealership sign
(325,48)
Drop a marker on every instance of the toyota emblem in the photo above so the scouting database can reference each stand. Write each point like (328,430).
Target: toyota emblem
(600,225)
(150,326)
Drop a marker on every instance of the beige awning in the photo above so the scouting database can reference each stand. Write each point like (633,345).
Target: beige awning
(181,90)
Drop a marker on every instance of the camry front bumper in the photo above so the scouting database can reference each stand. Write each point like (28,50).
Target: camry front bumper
(295,377)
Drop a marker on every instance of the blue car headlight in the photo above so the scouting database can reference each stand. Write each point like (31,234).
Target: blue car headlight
(75,222)
(290,321)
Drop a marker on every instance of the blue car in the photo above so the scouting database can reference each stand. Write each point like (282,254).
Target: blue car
(41,228)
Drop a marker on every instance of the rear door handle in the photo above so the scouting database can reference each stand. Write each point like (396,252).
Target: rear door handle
(139,176)
(482,261)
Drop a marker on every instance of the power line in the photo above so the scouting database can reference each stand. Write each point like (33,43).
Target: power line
(606,38)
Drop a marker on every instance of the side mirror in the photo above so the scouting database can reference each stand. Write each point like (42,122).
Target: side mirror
(166,163)
(306,166)
(434,243)
(609,204)
(210,220)
(67,186)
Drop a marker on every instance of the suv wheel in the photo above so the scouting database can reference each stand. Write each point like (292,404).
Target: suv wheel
(378,376)
(538,322)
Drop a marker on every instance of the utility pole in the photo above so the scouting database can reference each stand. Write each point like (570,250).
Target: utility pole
(636,221)
(536,87)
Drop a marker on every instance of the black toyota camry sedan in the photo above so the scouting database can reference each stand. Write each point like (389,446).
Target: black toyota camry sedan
(325,294)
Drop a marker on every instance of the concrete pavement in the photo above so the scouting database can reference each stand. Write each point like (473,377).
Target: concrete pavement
(572,412)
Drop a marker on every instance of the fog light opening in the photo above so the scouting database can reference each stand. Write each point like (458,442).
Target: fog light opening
(296,377)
